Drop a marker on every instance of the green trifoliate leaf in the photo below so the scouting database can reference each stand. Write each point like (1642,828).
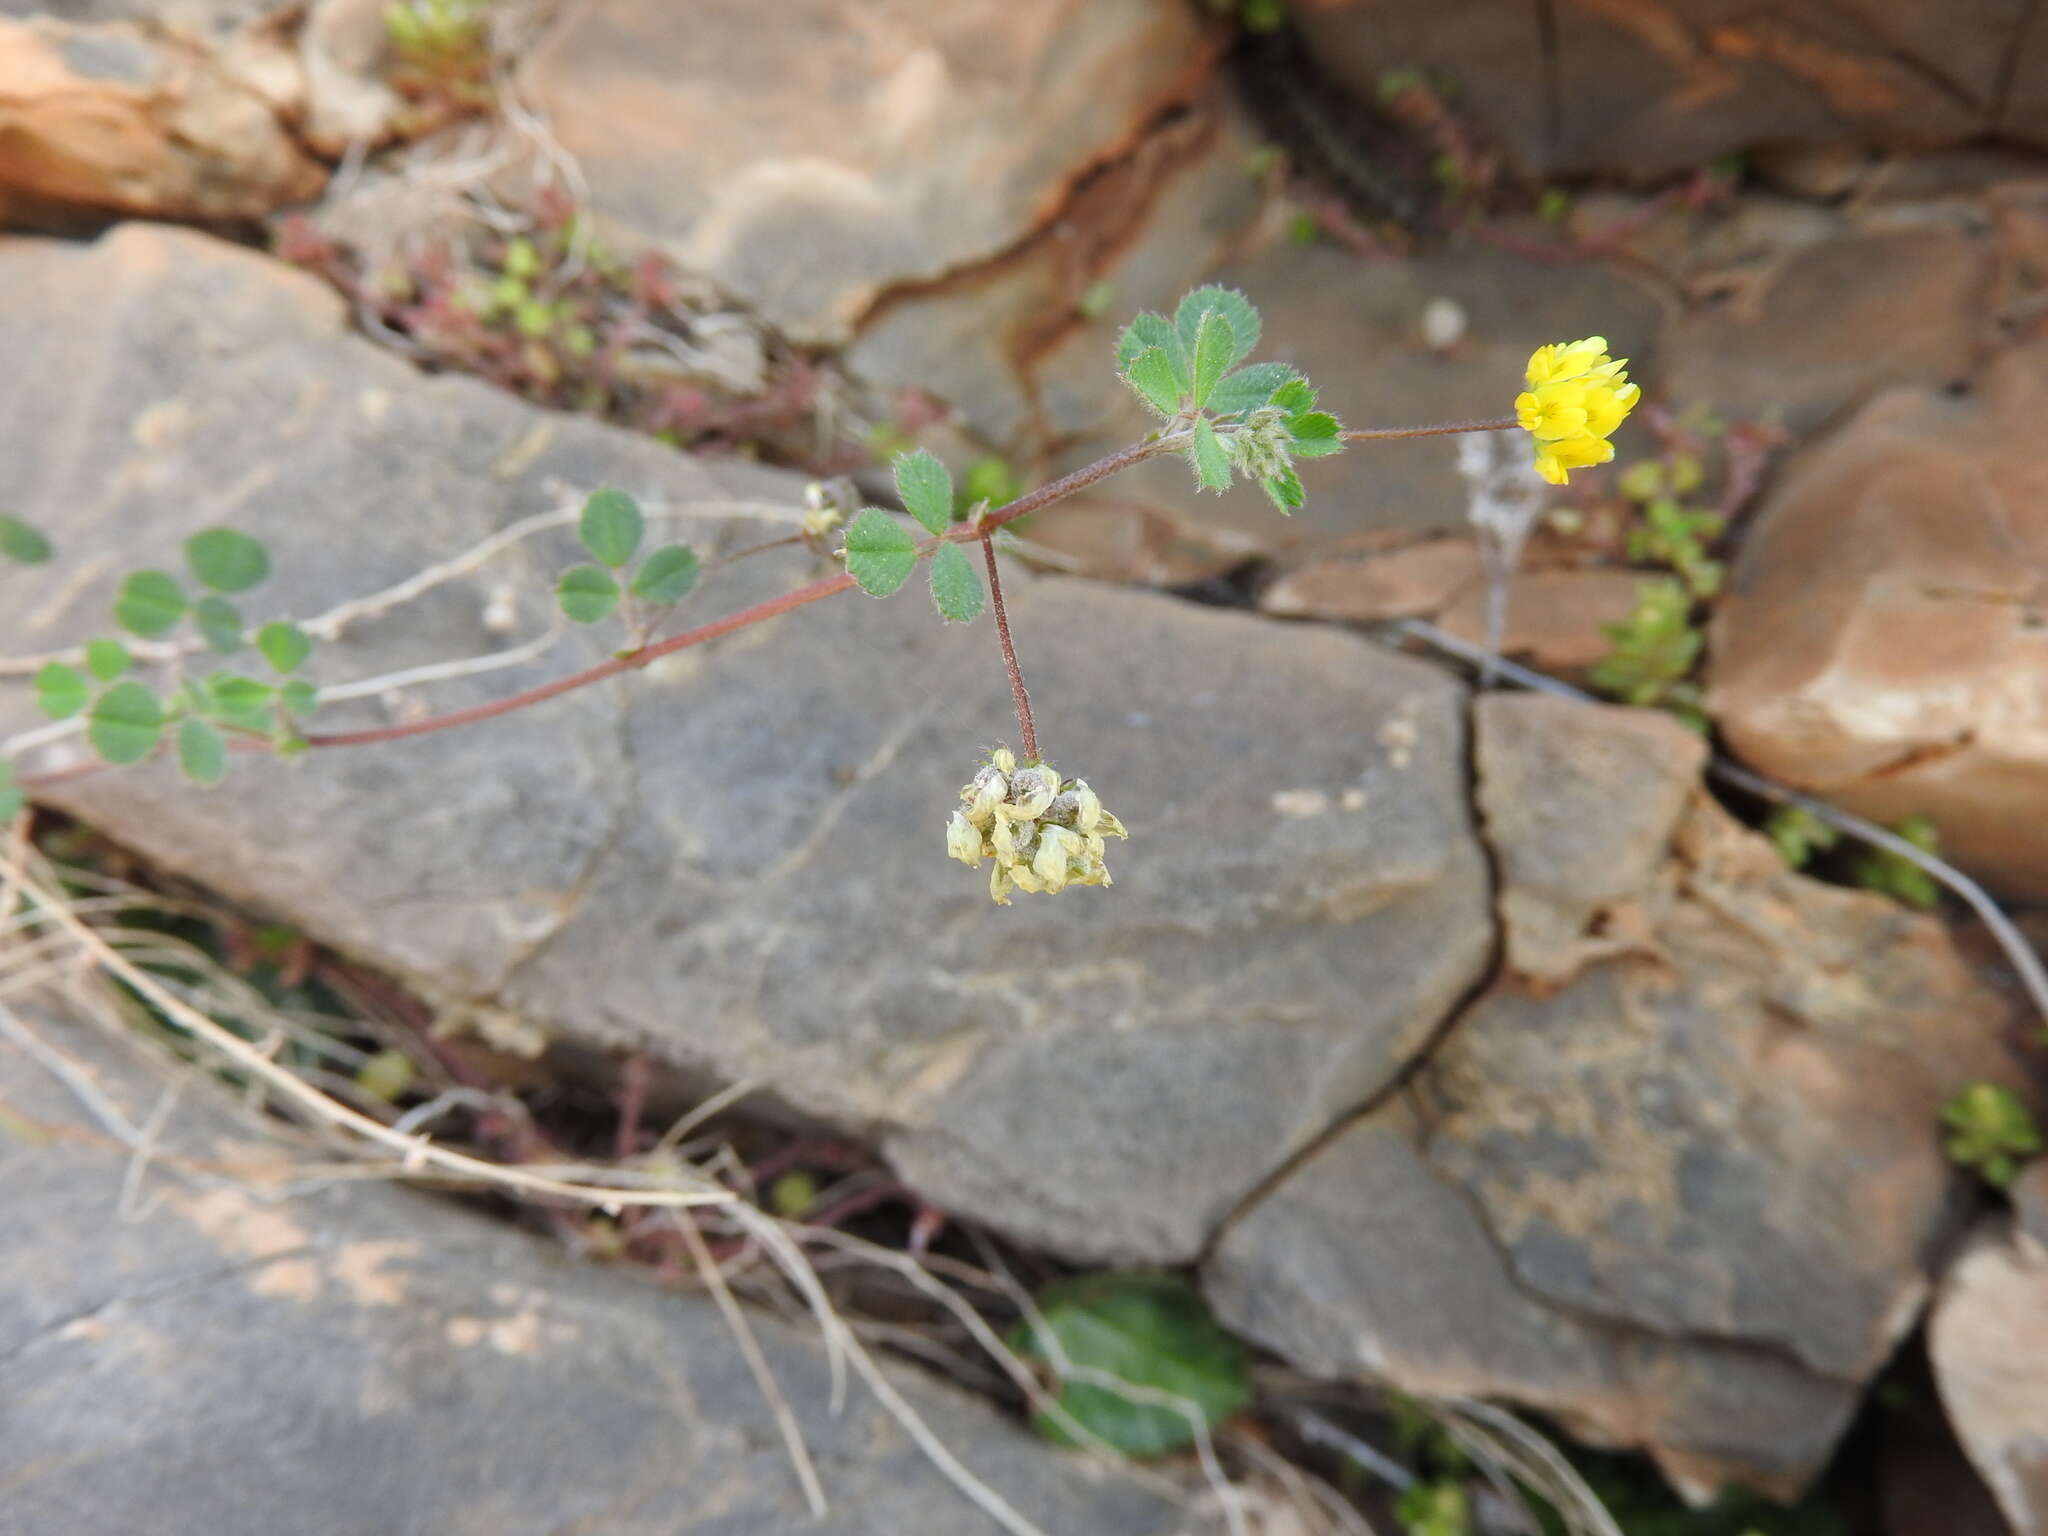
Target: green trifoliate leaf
(587,593)
(299,697)
(956,586)
(1315,434)
(926,490)
(61,691)
(879,554)
(1151,374)
(284,645)
(225,560)
(125,724)
(1248,388)
(610,528)
(220,625)
(201,752)
(106,659)
(1214,343)
(666,575)
(21,543)
(1150,1331)
(1233,306)
(1209,457)
(149,604)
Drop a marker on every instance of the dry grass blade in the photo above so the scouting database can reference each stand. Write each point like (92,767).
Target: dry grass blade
(757,1363)
(418,1155)
(1506,1448)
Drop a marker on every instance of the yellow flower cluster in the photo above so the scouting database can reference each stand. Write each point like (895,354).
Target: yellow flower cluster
(1577,396)
(1044,834)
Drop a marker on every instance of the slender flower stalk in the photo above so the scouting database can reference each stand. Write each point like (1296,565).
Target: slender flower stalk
(1025,725)
(1381,434)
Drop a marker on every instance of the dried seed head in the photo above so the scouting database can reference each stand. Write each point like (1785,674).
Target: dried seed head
(1044,834)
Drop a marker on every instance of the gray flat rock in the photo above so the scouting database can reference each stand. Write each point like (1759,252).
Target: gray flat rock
(228,1358)
(735,861)
(1676,1176)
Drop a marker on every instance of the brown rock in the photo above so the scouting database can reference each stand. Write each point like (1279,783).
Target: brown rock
(1989,1343)
(1648,87)
(1567,899)
(1554,613)
(1810,329)
(1554,617)
(175,117)
(1005,342)
(813,155)
(1884,639)
(1616,1189)
(1406,582)
(346,53)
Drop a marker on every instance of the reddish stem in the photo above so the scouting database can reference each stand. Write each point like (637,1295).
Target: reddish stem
(1372,434)
(824,586)
(773,607)
(1017,691)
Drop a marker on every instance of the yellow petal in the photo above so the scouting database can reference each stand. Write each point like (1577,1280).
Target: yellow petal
(963,841)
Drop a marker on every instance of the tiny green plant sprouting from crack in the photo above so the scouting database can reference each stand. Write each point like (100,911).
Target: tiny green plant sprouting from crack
(444,52)
(1669,533)
(1223,413)
(1657,648)
(1654,651)
(1798,834)
(1990,1130)
(1137,1360)
(1436,1507)
(1880,870)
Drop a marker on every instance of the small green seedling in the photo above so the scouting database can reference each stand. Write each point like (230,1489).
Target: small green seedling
(1990,1130)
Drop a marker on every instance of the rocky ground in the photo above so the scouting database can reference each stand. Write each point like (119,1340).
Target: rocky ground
(1455,1041)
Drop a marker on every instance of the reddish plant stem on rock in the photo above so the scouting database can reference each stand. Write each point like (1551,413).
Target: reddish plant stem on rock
(1376,434)
(824,586)
(811,592)
(1017,689)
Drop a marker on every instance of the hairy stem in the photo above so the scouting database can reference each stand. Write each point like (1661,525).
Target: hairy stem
(1017,689)
(824,586)
(1373,434)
